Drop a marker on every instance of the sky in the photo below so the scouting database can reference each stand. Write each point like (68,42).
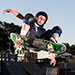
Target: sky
(60,13)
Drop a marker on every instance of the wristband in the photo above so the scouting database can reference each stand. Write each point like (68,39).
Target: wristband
(23,32)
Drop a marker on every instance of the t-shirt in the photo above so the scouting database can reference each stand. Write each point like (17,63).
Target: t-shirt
(39,30)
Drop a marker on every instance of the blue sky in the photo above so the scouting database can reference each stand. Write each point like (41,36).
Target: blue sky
(60,12)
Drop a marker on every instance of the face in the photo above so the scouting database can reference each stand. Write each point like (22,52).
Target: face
(41,20)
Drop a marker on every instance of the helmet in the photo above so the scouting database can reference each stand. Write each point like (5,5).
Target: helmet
(42,13)
(57,29)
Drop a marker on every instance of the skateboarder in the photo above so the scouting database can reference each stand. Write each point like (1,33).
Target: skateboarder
(38,20)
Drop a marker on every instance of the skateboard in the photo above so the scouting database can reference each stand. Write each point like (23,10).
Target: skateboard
(21,42)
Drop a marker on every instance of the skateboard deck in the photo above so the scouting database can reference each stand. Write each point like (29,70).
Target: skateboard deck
(20,42)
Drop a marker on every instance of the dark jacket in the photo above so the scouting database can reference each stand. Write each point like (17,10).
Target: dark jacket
(46,35)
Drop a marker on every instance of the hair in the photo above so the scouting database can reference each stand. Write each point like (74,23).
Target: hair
(42,13)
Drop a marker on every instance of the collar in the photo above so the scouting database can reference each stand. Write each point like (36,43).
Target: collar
(37,25)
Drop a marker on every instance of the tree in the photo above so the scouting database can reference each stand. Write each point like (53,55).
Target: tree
(72,49)
(5,30)
(67,47)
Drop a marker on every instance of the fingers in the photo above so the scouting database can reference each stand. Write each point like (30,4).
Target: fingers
(4,12)
(53,61)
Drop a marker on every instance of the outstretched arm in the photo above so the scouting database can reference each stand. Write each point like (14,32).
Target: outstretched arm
(15,13)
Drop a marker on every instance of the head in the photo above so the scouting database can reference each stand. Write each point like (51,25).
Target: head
(41,18)
(30,18)
(56,31)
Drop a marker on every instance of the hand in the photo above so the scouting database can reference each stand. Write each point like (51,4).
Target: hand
(52,39)
(7,10)
(53,61)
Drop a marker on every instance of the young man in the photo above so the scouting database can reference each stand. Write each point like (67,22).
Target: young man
(27,30)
